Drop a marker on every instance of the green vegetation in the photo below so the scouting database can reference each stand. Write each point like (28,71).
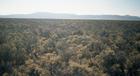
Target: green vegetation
(39,47)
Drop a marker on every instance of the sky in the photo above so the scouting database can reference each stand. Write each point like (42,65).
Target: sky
(82,7)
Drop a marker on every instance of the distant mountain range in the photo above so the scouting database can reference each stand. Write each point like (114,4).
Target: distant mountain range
(47,15)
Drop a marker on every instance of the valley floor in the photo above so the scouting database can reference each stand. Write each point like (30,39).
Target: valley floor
(47,47)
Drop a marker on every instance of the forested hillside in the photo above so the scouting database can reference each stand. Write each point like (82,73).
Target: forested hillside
(45,47)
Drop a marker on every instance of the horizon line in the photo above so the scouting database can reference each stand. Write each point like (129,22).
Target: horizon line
(67,13)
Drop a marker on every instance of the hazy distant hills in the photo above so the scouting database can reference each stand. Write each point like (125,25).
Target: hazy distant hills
(46,15)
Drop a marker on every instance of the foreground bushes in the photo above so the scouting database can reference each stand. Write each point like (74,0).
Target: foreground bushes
(69,48)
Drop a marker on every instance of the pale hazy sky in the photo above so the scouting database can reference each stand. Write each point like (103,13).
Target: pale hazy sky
(115,7)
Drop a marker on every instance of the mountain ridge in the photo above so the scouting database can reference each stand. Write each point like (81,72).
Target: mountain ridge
(48,15)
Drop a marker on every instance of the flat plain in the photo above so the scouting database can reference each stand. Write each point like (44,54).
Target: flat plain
(66,47)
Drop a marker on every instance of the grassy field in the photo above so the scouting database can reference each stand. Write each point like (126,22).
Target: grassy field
(55,47)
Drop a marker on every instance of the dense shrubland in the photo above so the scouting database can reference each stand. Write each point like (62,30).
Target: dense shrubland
(39,47)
